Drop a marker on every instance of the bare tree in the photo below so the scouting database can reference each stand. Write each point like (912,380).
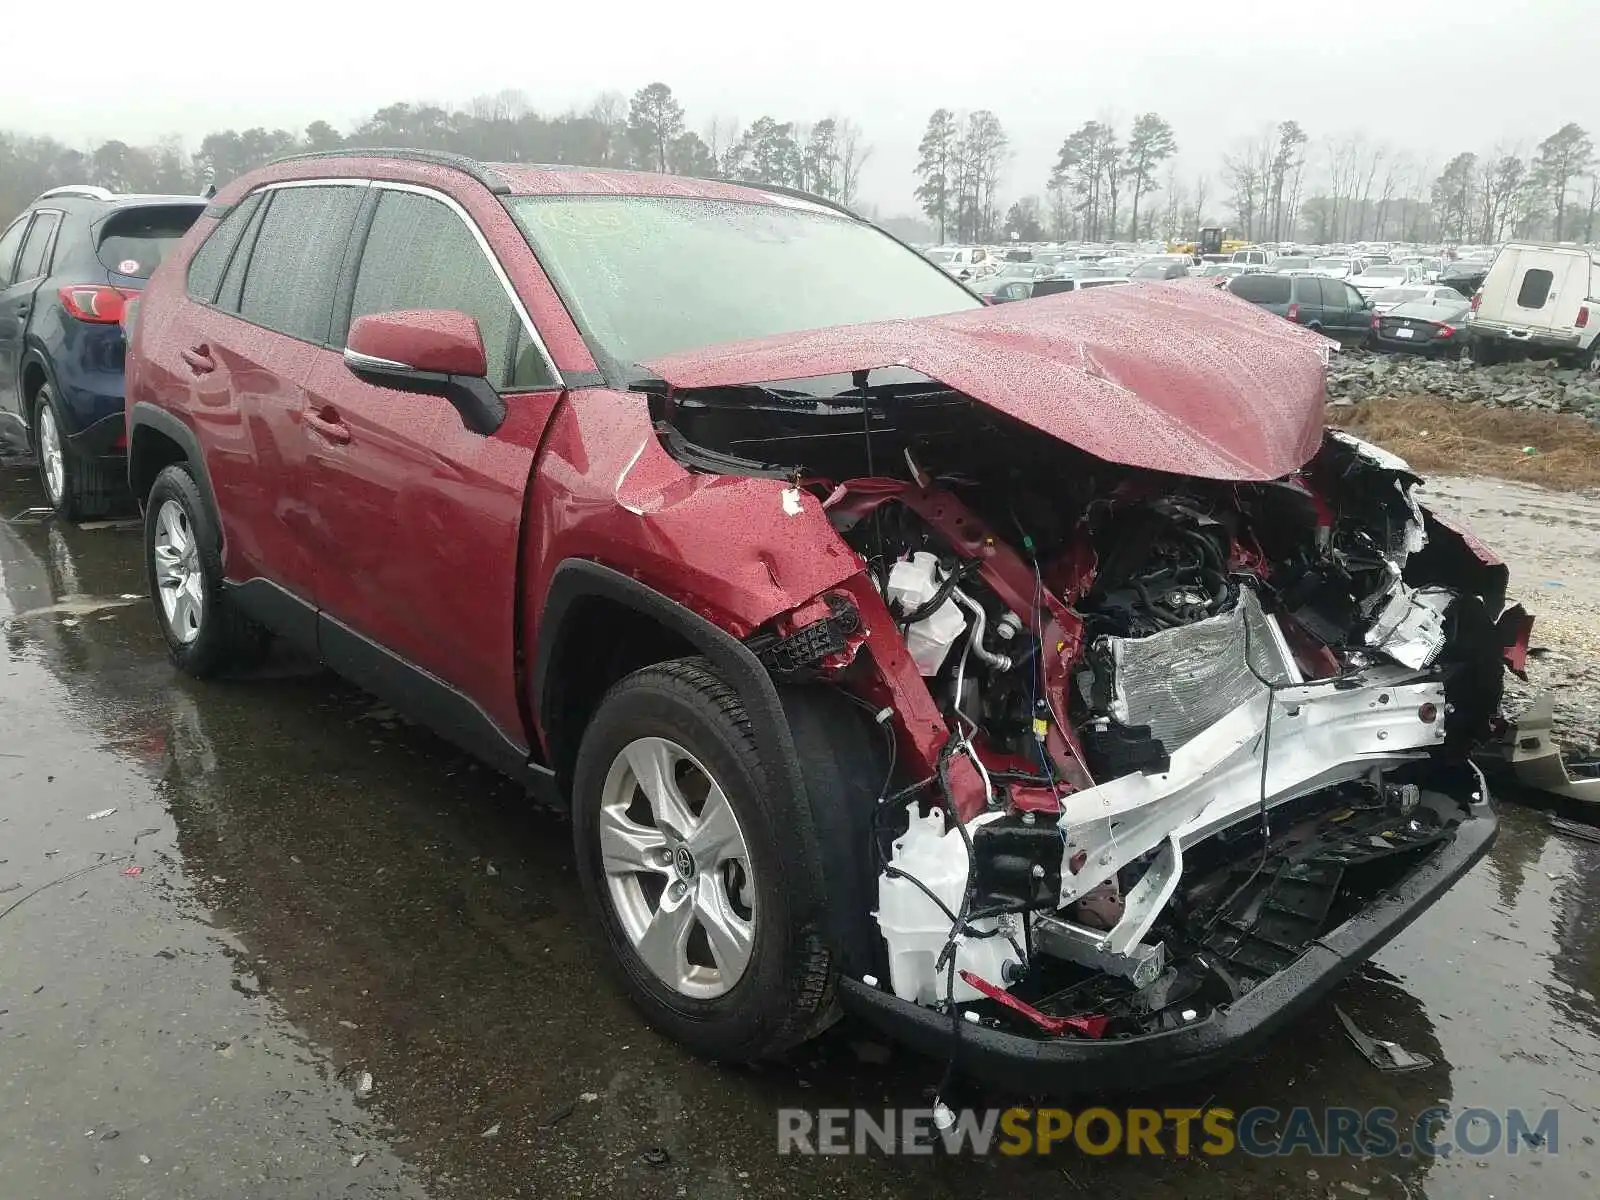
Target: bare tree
(853,154)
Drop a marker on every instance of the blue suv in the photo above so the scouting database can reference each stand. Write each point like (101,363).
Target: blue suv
(68,267)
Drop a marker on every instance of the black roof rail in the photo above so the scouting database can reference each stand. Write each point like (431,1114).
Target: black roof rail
(439,158)
(792,192)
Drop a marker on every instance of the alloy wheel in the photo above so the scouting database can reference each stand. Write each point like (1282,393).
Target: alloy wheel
(179,582)
(677,868)
(52,463)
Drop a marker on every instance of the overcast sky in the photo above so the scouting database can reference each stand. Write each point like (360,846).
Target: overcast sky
(1430,76)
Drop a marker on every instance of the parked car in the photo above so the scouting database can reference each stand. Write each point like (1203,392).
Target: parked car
(1384,299)
(768,616)
(1329,306)
(1012,269)
(1285,263)
(1002,289)
(1423,327)
(1538,298)
(1336,267)
(1252,257)
(1465,277)
(68,266)
(1386,275)
(1160,268)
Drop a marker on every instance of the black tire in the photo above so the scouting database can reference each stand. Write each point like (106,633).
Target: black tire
(786,991)
(90,487)
(224,639)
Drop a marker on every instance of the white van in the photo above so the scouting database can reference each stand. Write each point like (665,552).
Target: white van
(961,261)
(1537,296)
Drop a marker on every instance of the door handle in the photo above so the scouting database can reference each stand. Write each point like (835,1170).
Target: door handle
(329,426)
(199,359)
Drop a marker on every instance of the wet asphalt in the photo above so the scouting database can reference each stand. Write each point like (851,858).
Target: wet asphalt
(297,891)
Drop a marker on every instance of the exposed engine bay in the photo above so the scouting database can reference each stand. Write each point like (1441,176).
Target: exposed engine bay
(1154,734)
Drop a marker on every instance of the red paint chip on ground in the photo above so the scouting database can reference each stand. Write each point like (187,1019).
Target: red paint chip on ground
(133,871)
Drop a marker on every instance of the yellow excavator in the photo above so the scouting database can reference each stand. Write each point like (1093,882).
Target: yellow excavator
(1213,240)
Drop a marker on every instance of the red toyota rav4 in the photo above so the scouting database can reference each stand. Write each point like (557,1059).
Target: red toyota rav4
(1041,683)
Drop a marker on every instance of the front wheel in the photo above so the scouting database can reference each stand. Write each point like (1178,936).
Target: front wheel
(183,556)
(701,867)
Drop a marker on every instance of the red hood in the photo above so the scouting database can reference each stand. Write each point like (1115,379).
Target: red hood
(1172,377)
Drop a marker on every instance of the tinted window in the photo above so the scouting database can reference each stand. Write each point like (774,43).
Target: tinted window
(133,241)
(420,254)
(9,245)
(295,265)
(1535,288)
(211,260)
(1352,298)
(32,263)
(1261,289)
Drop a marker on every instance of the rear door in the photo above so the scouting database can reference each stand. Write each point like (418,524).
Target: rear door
(19,286)
(246,358)
(415,519)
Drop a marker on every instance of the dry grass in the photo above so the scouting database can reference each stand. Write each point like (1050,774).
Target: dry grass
(1442,437)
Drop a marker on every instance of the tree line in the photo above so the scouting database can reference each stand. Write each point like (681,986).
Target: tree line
(645,132)
(1279,185)
(1107,183)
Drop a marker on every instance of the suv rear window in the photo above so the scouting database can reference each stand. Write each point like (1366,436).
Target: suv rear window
(133,241)
(1261,288)
(1535,289)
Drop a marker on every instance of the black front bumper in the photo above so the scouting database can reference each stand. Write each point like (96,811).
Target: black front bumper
(1063,1067)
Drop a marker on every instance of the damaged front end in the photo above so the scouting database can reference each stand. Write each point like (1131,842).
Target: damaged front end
(1175,753)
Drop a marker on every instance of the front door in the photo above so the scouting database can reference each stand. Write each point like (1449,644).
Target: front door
(16,301)
(415,519)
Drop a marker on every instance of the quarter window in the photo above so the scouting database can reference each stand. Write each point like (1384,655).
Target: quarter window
(295,265)
(211,260)
(421,255)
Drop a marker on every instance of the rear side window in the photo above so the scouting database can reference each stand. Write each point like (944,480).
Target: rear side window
(1535,289)
(295,264)
(1261,288)
(420,254)
(32,264)
(134,241)
(211,260)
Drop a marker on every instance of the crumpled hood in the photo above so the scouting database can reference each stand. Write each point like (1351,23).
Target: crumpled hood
(1178,377)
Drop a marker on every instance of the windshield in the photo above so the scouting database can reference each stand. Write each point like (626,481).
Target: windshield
(1292,264)
(1331,264)
(1386,273)
(940,256)
(1150,270)
(650,275)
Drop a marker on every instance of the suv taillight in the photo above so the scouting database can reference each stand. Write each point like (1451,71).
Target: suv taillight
(1583,317)
(96,303)
(1477,299)
(1294,311)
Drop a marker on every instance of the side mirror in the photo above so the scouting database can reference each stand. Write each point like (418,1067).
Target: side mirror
(432,352)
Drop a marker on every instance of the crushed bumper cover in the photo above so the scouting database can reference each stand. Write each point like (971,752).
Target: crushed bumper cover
(1064,1067)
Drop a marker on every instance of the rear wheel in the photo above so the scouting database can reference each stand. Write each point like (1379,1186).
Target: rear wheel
(76,486)
(702,867)
(183,556)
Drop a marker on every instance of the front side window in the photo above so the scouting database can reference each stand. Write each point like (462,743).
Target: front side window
(295,265)
(10,243)
(32,264)
(420,254)
(649,275)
